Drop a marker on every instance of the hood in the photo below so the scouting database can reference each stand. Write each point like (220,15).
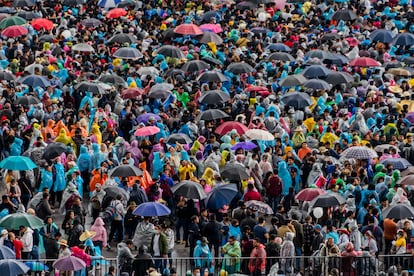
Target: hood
(50,123)
(29,230)
(83,149)
(289,236)
(98,222)
(18,141)
(282,166)
(122,246)
(316,167)
(95,148)
(134,144)
(226,139)
(62,132)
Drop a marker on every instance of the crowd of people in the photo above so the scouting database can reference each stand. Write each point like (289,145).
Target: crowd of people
(288,102)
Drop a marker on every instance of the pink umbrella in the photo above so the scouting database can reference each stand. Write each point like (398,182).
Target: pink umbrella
(14,31)
(188,29)
(280,4)
(69,263)
(309,194)
(131,93)
(147,131)
(215,28)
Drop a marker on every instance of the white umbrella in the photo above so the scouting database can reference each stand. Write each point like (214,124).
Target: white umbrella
(83,47)
(259,134)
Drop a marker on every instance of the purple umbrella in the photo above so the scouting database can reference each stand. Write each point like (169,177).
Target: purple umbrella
(244,145)
(69,263)
(144,118)
(410,117)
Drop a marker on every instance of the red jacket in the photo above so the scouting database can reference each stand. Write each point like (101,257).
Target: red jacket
(257,259)
(18,246)
(252,195)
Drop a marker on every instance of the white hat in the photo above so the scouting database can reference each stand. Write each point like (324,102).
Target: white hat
(4,232)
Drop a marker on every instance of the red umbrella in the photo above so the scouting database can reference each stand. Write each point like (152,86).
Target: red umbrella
(309,194)
(256,89)
(147,131)
(188,29)
(14,31)
(42,23)
(352,41)
(228,126)
(116,13)
(131,93)
(364,62)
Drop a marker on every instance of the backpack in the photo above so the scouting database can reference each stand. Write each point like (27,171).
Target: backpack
(109,214)
(74,234)
(274,186)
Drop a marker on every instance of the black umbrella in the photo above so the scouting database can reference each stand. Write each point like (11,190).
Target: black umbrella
(213,97)
(46,38)
(189,189)
(23,3)
(125,171)
(126,3)
(281,56)
(213,114)
(345,15)
(211,60)
(336,78)
(128,53)
(195,66)
(337,59)
(169,33)
(27,100)
(180,138)
(399,211)
(113,191)
(92,87)
(329,36)
(173,72)
(317,84)
(297,100)
(170,51)
(408,60)
(4,75)
(278,47)
(327,200)
(207,16)
(317,54)
(54,150)
(404,39)
(122,38)
(240,68)
(293,80)
(316,71)
(28,15)
(91,22)
(233,171)
(212,76)
(382,35)
(159,94)
(113,79)
(208,37)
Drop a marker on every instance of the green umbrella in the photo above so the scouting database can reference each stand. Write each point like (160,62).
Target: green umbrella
(12,21)
(17,163)
(14,221)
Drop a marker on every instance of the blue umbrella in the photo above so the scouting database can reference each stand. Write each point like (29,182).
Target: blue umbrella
(382,35)
(278,47)
(244,145)
(144,118)
(151,209)
(12,267)
(17,163)
(404,39)
(211,14)
(397,163)
(6,253)
(35,81)
(316,71)
(221,195)
(37,266)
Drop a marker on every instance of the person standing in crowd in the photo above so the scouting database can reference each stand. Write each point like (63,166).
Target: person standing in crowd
(26,235)
(116,224)
(125,257)
(257,262)
(202,255)
(159,249)
(232,256)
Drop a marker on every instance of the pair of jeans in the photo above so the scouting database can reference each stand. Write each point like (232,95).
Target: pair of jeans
(160,263)
(298,253)
(274,202)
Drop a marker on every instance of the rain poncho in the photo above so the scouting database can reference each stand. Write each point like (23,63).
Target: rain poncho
(284,174)
(60,182)
(84,160)
(202,256)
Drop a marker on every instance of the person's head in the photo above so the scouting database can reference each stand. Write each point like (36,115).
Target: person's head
(232,240)
(261,220)
(256,242)
(129,243)
(22,228)
(204,241)
(49,220)
(111,270)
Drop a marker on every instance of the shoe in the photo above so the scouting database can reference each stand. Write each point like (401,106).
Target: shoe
(177,241)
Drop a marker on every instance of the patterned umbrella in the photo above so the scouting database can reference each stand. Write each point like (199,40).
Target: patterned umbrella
(69,263)
(188,29)
(397,163)
(359,152)
(259,206)
(309,194)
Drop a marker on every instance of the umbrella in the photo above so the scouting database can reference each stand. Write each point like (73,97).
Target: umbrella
(317,84)
(278,47)
(337,59)
(207,16)
(211,60)
(11,21)
(12,267)
(4,75)
(327,200)
(410,117)
(188,29)
(297,100)
(244,145)
(189,189)
(180,138)
(35,81)
(259,206)
(359,152)
(229,126)
(208,37)
(382,35)
(146,131)
(114,191)
(122,38)
(364,62)
(116,13)
(293,80)
(113,79)
(336,78)
(28,15)
(399,72)
(6,253)
(159,94)
(151,209)
(329,36)
(316,71)
(144,118)
(83,47)
(397,163)
(54,150)
(317,54)
(259,134)
(36,266)
(71,3)
(234,172)
(33,67)
(309,194)
(162,87)
(69,263)
(126,3)
(408,179)
(92,87)
(259,30)
(27,100)
(213,97)
(403,39)
(408,172)
(42,23)
(240,68)
(213,114)
(399,212)
(23,3)
(345,15)
(212,76)
(195,66)
(173,72)
(221,195)
(14,31)
(170,51)
(46,38)
(245,5)
(128,53)
(149,70)
(408,60)
(17,163)
(91,22)
(108,4)
(215,28)
(14,221)
(281,56)
(169,33)
(381,148)
(3,15)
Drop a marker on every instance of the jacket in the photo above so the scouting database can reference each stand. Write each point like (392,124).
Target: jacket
(257,259)
(162,243)
(124,254)
(27,240)
(43,209)
(202,255)
(99,228)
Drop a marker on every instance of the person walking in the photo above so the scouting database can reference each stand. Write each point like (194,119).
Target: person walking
(116,224)
(125,257)
(159,249)
(26,234)
(257,262)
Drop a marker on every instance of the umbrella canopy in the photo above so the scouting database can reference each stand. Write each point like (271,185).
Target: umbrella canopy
(11,267)
(146,131)
(148,70)
(4,75)
(159,94)
(128,53)
(297,100)
(92,87)
(207,16)
(336,78)
(309,194)
(113,79)
(125,171)
(170,51)
(229,126)
(381,148)
(27,100)
(189,189)
(317,54)
(259,30)
(116,13)
(36,266)
(359,152)
(17,163)
(212,76)
(14,31)
(162,87)
(382,35)
(259,134)
(144,118)
(208,37)
(259,206)
(213,114)
(46,38)
(83,47)
(278,47)
(408,172)
(23,3)
(337,59)
(240,68)
(329,36)
(214,97)
(234,172)
(398,212)
(195,66)
(214,28)
(399,72)
(33,67)
(293,80)
(397,163)
(327,200)
(69,263)
(402,39)
(113,191)
(6,253)
(345,15)
(54,150)
(281,56)
(317,84)
(244,146)
(11,21)
(221,195)
(42,23)
(364,62)
(316,71)
(151,209)
(14,221)
(122,38)
(407,179)
(35,81)
(180,138)
(188,29)
(28,15)
(91,22)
